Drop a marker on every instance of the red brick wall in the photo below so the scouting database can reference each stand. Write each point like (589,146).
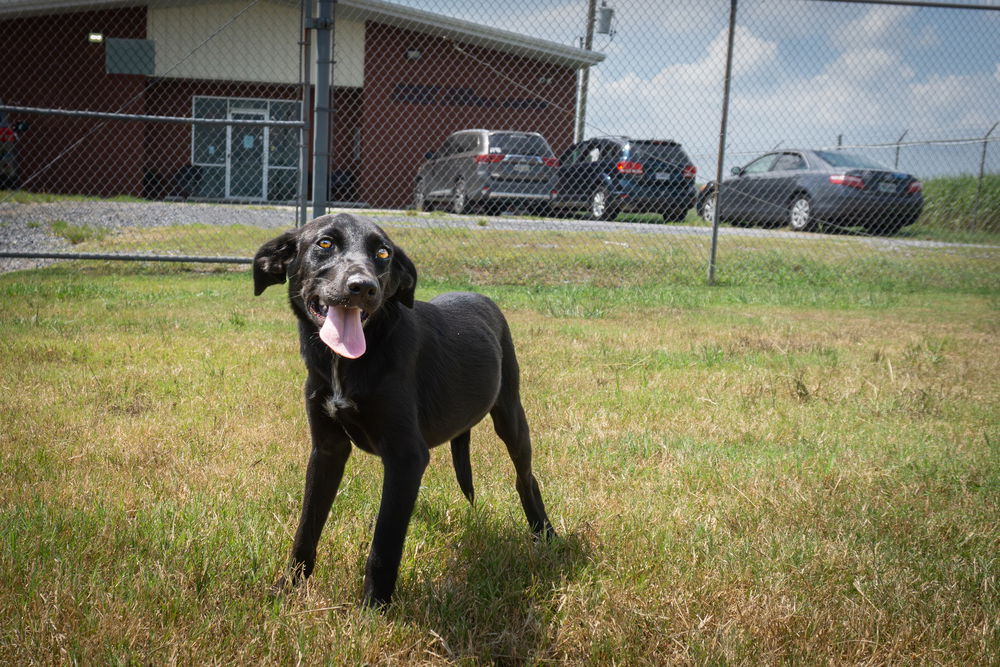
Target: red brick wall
(396,134)
(48,62)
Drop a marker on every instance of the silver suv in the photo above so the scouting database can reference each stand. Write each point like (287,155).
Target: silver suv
(486,169)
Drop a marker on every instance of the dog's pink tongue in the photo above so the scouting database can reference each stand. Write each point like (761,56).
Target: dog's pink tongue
(342,331)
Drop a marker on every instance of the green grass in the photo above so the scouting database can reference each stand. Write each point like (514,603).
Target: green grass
(484,255)
(760,472)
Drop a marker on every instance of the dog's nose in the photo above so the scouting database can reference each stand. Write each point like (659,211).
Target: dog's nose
(362,286)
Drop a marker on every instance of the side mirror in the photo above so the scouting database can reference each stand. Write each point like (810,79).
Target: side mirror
(20,127)
(736,171)
(429,155)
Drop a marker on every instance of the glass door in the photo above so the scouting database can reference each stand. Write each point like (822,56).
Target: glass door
(246,166)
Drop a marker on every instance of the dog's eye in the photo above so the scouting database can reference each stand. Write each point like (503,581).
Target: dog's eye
(382,253)
(324,243)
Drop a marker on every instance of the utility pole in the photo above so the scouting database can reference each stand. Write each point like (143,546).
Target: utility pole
(713,251)
(588,42)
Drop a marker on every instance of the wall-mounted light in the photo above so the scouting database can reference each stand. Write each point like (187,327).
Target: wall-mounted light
(413,54)
(95,38)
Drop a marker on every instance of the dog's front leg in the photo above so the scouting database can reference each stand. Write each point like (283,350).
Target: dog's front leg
(402,473)
(330,451)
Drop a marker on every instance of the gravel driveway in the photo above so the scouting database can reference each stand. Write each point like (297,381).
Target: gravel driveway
(26,227)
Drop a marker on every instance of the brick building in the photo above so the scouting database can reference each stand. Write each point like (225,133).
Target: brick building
(403,79)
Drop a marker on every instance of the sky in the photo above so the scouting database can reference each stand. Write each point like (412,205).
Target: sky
(805,73)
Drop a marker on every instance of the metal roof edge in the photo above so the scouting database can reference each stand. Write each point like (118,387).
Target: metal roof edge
(469,32)
(384,12)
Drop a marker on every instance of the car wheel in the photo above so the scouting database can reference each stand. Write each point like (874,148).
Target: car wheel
(707,207)
(800,213)
(601,207)
(458,201)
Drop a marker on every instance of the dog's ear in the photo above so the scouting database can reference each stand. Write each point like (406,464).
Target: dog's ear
(270,264)
(404,275)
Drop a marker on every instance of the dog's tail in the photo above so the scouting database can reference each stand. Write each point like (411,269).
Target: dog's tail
(463,466)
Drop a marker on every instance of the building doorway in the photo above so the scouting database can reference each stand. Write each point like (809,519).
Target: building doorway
(246,162)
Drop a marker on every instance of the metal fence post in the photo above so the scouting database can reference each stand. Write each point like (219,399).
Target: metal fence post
(899,143)
(979,183)
(722,143)
(321,129)
(306,73)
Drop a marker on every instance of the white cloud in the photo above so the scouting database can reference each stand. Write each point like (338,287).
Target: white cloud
(866,91)
(871,66)
(879,25)
(678,95)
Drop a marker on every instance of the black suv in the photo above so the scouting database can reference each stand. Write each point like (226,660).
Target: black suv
(606,175)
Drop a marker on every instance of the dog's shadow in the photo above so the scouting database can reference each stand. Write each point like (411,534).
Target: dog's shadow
(501,589)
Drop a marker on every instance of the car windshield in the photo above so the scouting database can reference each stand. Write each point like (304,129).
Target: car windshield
(664,151)
(519,144)
(848,160)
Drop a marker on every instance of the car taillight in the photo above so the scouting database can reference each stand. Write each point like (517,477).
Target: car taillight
(915,186)
(551,161)
(690,172)
(847,180)
(490,157)
(625,167)
(7,134)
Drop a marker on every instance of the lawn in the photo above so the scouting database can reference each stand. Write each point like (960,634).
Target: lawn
(781,468)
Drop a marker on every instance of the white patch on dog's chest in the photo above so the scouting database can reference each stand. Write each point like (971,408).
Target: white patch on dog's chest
(337,400)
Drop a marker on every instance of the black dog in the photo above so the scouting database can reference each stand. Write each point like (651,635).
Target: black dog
(392,375)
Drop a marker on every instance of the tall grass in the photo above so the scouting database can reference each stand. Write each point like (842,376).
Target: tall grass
(961,208)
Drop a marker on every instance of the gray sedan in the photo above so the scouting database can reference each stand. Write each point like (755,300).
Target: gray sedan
(812,189)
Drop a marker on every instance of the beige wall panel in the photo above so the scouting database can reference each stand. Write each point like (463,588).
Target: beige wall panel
(260,45)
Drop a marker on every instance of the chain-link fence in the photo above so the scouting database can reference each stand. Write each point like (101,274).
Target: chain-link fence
(619,140)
